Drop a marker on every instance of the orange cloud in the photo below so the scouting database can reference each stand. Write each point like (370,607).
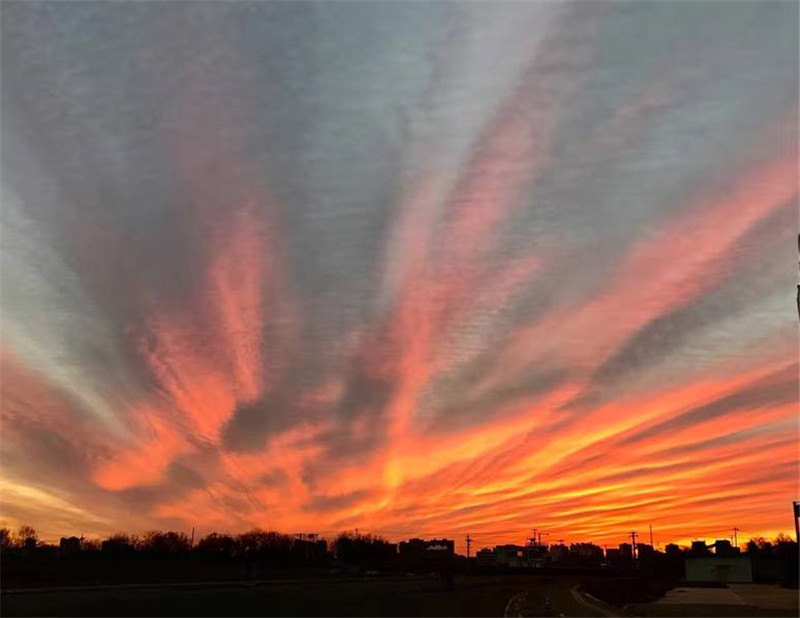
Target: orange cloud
(157,444)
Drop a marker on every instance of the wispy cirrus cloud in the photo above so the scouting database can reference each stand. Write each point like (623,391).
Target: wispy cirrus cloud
(469,268)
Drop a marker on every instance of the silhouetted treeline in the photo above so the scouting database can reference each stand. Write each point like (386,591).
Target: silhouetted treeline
(776,560)
(367,550)
(256,544)
(164,556)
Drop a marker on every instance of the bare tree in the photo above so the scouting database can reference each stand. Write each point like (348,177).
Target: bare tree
(27,536)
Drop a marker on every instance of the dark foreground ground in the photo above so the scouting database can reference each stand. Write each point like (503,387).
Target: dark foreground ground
(476,595)
(395,596)
(733,600)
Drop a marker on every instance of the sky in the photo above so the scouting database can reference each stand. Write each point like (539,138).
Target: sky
(417,269)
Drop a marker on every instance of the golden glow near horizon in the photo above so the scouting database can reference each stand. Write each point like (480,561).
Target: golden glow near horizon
(390,267)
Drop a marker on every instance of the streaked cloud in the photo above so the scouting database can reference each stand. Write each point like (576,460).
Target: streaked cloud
(424,268)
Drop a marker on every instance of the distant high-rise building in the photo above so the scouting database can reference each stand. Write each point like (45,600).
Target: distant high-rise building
(419,547)
(418,554)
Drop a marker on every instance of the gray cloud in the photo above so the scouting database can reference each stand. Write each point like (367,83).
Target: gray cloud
(365,142)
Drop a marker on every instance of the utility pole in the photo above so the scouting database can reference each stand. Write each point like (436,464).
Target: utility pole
(796,509)
(735,537)
(633,536)
(651,537)
(191,543)
(469,544)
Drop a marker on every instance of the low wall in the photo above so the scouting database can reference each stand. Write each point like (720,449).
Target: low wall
(713,569)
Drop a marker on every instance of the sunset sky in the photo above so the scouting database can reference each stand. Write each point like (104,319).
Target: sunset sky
(413,268)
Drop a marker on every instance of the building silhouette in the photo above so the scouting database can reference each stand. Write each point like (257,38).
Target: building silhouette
(532,555)
(433,554)
(420,548)
(673,550)
(69,545)
(699,548)
(723,548)
(486,557)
